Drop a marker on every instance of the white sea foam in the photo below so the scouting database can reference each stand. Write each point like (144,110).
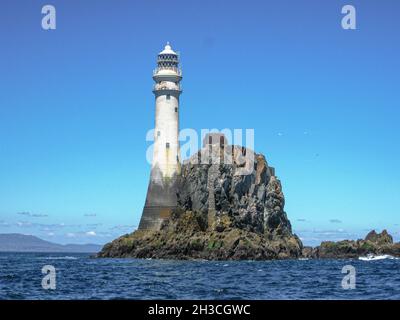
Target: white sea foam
(372,257)
(61,258)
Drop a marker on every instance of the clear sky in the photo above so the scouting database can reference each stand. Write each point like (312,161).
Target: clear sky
(76,104)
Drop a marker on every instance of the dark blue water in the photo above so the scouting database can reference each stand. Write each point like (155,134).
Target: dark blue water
(79,277)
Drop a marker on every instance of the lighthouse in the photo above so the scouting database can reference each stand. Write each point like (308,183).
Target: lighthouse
(165,168)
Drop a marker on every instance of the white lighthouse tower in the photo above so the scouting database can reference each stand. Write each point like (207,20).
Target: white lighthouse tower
(161,193)
(167,90)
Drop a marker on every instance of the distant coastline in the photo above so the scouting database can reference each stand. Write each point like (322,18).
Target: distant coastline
(15,242)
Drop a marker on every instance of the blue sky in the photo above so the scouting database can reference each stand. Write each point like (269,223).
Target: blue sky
(76,104)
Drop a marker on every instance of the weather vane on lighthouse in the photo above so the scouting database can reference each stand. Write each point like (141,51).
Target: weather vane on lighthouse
(161,193)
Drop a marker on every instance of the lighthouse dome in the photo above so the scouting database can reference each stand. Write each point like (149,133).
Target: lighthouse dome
(168,50)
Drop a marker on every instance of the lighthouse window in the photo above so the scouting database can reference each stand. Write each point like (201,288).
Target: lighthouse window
(176,109)
(168,96)
(158,133)
(167,145)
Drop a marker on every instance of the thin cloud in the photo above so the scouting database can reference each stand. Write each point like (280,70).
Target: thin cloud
(104,234)
(81,234)
(93,225)
(123,227)
(24,224)
(335,221)
(34,215)
(51,227)
(92,215)
(24,213)
(59,225)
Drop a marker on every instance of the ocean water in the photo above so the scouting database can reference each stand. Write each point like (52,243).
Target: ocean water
(80,277)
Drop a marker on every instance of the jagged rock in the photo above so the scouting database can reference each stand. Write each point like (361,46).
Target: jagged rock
(254,201)
(227,210)
(380,239)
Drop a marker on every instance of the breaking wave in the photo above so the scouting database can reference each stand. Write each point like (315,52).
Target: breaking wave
(372,257)
(61,258)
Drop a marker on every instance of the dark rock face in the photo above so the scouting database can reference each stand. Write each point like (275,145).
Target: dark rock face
(253,202)
(230,207)
(374,243)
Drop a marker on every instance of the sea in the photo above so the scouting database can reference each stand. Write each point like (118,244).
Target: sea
(61,276)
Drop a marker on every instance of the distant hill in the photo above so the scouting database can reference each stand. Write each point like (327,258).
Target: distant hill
(15,242)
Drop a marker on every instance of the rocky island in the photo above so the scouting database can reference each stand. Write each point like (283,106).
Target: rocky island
(373,244)
(231,210)
(225,213)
